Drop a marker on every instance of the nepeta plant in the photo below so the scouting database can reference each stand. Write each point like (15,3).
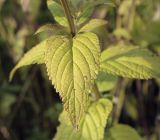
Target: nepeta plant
(73,58)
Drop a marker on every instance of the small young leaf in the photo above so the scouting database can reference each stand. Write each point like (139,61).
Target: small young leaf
(131,62)
(92,125)
(52,29)
(85,15)
(72,66)
(89,7)
(75,3)
(57,12)
(122,132)
(93,25)
(33,56)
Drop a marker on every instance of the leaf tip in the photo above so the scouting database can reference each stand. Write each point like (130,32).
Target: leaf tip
(12,74)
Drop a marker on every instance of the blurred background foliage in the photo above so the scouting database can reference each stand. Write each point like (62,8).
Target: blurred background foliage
(29,105)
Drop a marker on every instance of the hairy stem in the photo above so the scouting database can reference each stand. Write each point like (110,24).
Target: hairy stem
(69,16)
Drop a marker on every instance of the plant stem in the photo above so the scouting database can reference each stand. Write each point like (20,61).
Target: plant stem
(131,13)
(96,94)
(69,16)
(118,99)
(141,109)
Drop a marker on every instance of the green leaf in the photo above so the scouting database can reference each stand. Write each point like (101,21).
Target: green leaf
(88,9)
(85,15)
(57,12)
(122,132)
(75,3)
(92,4)
(131,62)
(33,56)
(72,66)
(92,126)
(53,29)
(97,26)
(105,81)
(105,2)
(93,25)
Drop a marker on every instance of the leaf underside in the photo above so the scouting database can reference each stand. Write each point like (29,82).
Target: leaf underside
(72,67)
(130,62)
(92,126)
(105,81)
(52,29)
